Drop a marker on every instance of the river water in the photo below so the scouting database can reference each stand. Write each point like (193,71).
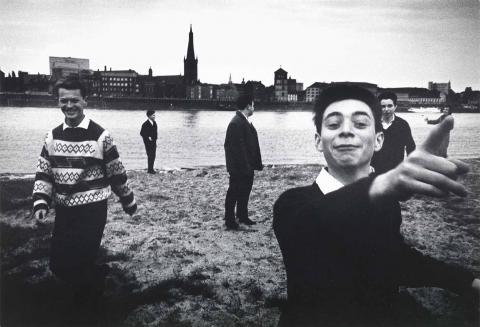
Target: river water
(195,138)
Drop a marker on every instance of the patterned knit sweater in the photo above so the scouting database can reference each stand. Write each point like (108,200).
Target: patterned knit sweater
(77,166)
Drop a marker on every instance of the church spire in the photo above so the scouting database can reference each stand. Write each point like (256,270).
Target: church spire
(190,63)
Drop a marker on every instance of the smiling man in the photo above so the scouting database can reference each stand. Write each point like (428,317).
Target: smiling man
(78,166)
(340,238)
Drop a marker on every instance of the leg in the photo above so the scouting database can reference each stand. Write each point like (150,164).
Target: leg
(245,187)
(230,201)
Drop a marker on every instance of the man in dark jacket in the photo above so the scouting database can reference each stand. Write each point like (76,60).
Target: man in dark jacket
(344,255)
(242,154)
(397,136)
(149,135)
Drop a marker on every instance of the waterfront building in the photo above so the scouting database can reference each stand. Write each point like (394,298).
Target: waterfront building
(61,67)
(281,85)
(2,81)
(440,87)
(257,89)
(313,91)
(190,63)
(165,86)
(115,83)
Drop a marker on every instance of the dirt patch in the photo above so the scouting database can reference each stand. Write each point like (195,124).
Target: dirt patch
(174,264)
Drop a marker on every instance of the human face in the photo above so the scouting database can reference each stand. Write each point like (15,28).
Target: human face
(348,138)
(152,116)
(72,104)
(388,108)
(250,109)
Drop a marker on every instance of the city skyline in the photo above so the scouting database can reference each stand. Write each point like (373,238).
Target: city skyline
(393,44)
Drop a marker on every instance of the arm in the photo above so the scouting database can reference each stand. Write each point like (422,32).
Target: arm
(116,174)
(43,185)
(433,121)
(410,143)
(238,149)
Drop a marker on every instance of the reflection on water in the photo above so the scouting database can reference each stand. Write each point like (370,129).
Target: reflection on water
(195,138)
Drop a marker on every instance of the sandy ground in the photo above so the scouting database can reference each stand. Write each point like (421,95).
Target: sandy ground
(174,264)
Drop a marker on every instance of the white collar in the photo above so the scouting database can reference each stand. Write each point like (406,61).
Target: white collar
(326,182)
(83,124)
(387,125)
(151,122)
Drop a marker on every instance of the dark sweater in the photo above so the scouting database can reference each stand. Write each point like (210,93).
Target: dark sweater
(398,139)
(340,250)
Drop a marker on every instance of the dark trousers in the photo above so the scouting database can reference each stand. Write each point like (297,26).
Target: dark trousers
(151,149)
(239,189)
(75,243)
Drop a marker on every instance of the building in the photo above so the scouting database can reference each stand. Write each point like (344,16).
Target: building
(190,64)
(2,81)
(115,83)
(257,89)
(313,91)
(200,91)
(61,67)
(281,85)
(440,87)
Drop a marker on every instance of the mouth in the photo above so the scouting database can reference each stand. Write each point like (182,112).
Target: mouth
(345,147)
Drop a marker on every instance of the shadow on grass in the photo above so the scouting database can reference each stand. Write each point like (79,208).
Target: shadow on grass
(32,296)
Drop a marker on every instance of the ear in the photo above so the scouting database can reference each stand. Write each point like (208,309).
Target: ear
(318,142)
(379,137)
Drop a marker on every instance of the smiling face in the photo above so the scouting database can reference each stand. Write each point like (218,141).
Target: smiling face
(348,138)
(72,104)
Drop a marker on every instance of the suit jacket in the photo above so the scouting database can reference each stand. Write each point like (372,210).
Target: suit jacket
(340,250)
(149,130)
(242,151)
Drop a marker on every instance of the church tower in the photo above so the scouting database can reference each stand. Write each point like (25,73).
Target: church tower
(190,63)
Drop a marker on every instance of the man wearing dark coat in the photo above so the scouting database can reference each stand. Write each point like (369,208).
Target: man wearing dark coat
(242,154)
(149,135)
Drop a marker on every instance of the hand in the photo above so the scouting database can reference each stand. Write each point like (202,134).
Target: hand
(40,214)
(424,171)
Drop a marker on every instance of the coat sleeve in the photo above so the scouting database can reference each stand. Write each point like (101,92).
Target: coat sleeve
(237,149)
(409,142)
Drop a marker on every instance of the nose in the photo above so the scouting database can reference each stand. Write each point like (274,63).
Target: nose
(346,128)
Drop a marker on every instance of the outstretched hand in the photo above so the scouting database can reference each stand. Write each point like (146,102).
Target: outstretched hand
(425,171)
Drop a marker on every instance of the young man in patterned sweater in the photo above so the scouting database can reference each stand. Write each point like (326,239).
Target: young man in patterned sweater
(78,166)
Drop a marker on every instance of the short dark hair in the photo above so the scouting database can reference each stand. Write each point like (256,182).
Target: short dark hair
(244,100)
(388,95)
(150,112)
(339,92)
(71,83)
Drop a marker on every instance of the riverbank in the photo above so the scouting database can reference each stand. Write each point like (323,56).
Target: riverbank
(174,264)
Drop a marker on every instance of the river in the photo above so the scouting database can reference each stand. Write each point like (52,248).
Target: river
(195,138)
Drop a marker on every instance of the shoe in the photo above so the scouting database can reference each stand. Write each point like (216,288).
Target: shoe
(151,172)
(231,225)
(246,221)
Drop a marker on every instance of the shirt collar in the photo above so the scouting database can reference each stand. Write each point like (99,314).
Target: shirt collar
(326,182)
(83,124)
(387,125)
(151,122)
(246,117)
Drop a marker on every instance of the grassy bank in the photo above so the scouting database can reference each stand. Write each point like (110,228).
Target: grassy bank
(174,264)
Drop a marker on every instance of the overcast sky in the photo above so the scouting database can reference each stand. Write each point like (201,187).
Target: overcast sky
(391,43)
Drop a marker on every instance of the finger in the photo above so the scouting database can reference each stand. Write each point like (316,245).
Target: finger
(441,182)
(419,187)
(424,160)
(462,167)
(437,134)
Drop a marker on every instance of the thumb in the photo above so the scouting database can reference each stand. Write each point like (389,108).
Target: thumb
(433,142)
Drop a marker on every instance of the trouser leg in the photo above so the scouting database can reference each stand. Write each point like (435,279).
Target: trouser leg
(231,199)
(245,187)
(75,243)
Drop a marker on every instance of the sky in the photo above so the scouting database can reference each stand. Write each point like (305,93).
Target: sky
(392,43)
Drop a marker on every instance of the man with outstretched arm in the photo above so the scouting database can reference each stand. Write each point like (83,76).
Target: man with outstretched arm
(340,238)
(78,166)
